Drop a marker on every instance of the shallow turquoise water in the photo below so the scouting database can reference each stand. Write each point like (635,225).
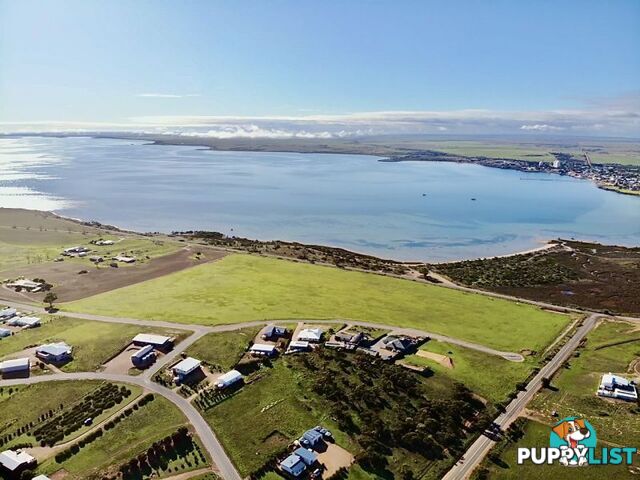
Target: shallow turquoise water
(351,201)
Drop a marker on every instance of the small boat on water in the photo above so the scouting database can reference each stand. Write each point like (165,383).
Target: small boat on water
(473,199)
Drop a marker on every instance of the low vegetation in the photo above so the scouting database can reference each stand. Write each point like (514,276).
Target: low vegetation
(392,419)
(576,274)
(243,287)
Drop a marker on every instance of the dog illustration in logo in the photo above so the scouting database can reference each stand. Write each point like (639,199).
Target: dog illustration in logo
(573,432)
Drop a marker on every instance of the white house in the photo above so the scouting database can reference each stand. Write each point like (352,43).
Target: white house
(310,335)
(27,322)
(298,346)
(75,250)
(54,352)
(16,365)
(228,379)
(105,242)
(4,333)
(262,349)
(184,368)
(615,386)
(14,461)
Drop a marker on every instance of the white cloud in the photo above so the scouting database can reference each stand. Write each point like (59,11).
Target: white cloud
(167,95)
(541,128)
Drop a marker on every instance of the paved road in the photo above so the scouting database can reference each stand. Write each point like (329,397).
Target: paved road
(483,444)
(201,330)
(225,467)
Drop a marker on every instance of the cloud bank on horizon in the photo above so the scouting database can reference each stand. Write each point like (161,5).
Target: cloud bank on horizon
(619,116)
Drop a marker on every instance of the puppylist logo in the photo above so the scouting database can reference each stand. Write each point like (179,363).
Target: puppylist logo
(572,443)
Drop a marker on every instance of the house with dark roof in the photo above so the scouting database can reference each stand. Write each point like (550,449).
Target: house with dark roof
(272,332)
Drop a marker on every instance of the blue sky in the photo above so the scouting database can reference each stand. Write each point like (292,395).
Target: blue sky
(323,66)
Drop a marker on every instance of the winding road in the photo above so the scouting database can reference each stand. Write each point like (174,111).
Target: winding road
(462,469)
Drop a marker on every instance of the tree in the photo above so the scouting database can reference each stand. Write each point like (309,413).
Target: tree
(49,298)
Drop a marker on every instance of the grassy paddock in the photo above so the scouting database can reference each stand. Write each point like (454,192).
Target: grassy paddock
(223,350)
(242,288)
(489,376)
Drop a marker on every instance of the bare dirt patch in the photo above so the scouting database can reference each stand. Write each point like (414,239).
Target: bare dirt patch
(443,360)
(70,286)
(333,459)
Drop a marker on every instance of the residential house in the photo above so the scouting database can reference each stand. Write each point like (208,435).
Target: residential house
(26,322)
(313,335)
(124,259)
(185,368)
(307,456)
(28,285)
(614,386)
(399,344)
(349,337)
(15,461)
(54,352)
(272,332)
(293,465)
(7,313)
(298,346)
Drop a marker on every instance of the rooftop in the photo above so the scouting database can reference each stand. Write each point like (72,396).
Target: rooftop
(12,460)
(151,339)
(55,349)
(187,365)
(14,363)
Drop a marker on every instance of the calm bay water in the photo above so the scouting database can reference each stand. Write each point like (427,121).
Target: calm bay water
(351,201)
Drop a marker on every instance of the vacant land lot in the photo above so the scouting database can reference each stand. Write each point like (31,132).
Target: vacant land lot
(243,288)
(223,350)
(491,377)
(581,274)
(537,435)
(93,342)
(611,347)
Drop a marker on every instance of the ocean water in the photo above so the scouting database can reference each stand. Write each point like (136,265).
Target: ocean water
(407,211)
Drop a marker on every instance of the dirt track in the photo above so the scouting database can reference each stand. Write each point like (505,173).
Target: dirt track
(70,286)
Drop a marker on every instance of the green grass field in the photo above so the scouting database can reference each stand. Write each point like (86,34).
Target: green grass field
(537,435)
(487,375)
(222,351)
(615,421)
(131,436)
(243,287)
(93,342)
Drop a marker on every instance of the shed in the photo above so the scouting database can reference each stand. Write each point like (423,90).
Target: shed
(228,379)
(143,357)
(158,341)
(312,438)
(4,333)
(8,313)
(27,322)
(15,365)
(263,349)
